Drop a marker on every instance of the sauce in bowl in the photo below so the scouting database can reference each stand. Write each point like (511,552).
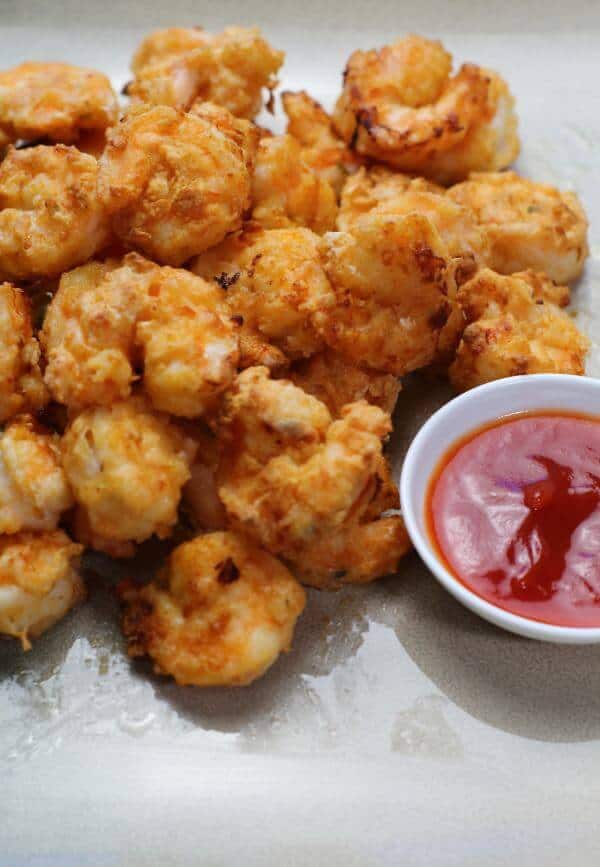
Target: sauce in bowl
(513,511)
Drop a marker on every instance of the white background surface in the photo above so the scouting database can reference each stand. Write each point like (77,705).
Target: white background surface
(401,730)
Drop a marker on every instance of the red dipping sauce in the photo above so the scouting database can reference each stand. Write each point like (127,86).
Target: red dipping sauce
(514,512)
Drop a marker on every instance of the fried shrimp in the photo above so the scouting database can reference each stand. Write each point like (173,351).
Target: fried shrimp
(514,329)
(529,225)
(287,192)
(289,473)
(381,191)
(108,318)
(219,613)
(392,277)
(39,582)
(89,332)
(126,466)
(50,216)
(178,65)
(322,148)
(33,486)
(188,341)
(336,383)
(173,183)
(54,101)
(402,106)
(21,385)
(274,280)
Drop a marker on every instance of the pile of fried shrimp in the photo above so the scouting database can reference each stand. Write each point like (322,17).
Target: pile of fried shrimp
(201,318)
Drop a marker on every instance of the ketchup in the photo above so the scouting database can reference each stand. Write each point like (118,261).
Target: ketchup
(514,512)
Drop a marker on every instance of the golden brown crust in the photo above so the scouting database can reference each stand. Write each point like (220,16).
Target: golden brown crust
(288,472)
(174,184)
(33,488)
(392,278)
(220,613)
(529,225)
(514,329)
(21,385)
(51,218)
(287,192)
(178,65)
(56,102)
(39,582)
(126,466)
(401,106)
(336,382)
(275,282)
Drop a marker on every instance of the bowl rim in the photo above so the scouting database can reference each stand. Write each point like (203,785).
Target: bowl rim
(501,617)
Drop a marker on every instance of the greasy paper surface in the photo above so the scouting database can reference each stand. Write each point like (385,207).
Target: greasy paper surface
(401,729)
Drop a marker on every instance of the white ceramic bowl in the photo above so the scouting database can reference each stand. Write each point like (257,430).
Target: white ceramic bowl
(457,418)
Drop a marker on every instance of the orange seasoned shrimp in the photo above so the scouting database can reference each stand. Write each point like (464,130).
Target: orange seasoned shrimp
(178,65)
(54,101)
(50,216)
(126,466)
(109,317)
(89,332)
(274,282)
(322,148)
(174,184)
(514,329)
(393,279)
(39,582)
(188,341)
(288,472)
(529,225)
(21,385)
(287,192)
(33,487)
(336,382)
(380,191)
(219,613)
(402,106)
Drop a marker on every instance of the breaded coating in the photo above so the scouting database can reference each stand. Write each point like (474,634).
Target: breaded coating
(126,466)
(244,133)
(356,554)
(379,190)
(529,225)
(54,101)
(287,192)
(200,493)
(367,547)
(382,191)
(33,487)
(21,385)
(89,331)
(174,184)
(336,382)
(39,582)
(392,277)
(377,187)
(288,472)
(219,614)
(188,341)
(322,148)
(178,65)
(110,318)
(402,106)
(274,280)
(514,330)
(50,215)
